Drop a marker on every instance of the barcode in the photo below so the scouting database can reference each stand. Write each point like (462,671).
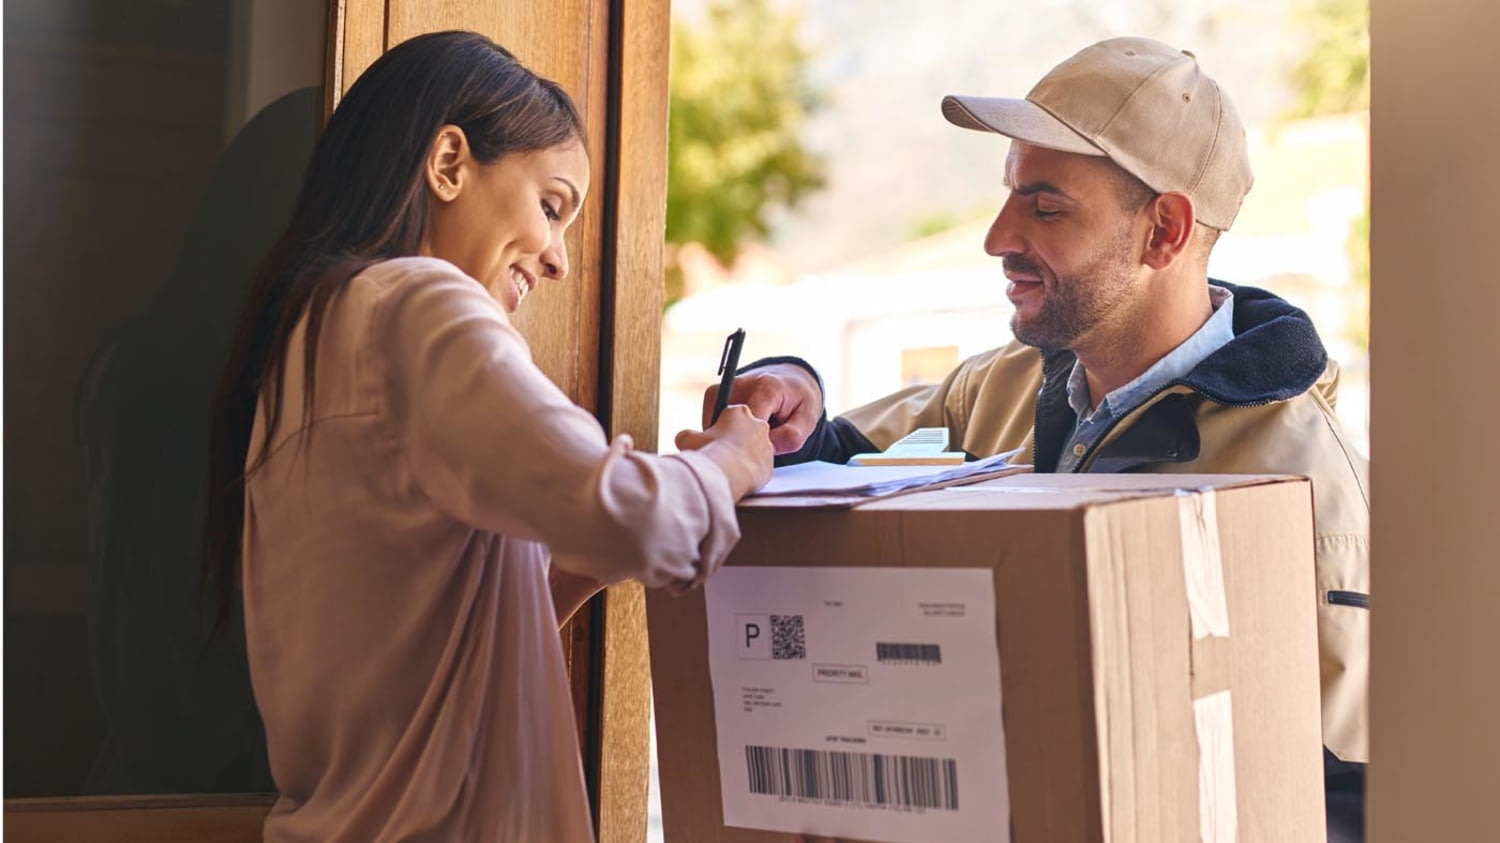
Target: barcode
(855,777)
(924,653)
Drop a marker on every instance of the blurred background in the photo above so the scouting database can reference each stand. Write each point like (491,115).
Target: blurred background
(818,199)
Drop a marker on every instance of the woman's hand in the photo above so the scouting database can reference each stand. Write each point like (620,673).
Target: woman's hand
(741,446)
(785,395)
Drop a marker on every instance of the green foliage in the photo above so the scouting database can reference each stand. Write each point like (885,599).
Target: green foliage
(738,106)
(930,224)
(1358,246)
(937,222)
(1334,76)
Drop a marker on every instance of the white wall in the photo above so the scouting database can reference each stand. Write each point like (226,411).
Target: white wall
(1435,348)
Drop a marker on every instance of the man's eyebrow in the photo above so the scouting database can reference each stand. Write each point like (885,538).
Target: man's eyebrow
(572,189)
(1032,188)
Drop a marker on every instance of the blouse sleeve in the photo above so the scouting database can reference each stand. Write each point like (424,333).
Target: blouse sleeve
(498,446)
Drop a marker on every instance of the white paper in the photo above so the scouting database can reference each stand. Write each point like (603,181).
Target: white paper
(924,443)
(824,676)
(813,478)
(923,440)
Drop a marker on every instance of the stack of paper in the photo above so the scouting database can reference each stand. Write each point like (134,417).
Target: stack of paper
(829,483)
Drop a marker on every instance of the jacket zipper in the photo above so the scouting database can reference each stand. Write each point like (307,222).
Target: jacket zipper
(1088,455)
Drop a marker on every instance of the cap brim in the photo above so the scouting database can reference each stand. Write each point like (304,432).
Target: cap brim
(1021,120)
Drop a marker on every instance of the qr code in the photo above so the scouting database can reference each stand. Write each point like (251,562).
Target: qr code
(788,638)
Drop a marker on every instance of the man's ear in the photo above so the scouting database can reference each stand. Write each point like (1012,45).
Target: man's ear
(1171,216)
(445,169)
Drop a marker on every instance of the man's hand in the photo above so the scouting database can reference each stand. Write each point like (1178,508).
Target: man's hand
(784,394)
(739,443)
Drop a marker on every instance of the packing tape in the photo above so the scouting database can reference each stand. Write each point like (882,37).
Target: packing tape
(1213,717)
(1218,814)
(1209,661)
(1202,565)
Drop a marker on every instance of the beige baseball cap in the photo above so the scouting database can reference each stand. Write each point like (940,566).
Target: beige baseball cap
(1145,105)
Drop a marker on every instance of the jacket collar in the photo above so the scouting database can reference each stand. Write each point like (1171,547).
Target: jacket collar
(1275,355)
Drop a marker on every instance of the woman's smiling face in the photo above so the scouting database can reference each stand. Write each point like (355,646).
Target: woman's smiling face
(502,223)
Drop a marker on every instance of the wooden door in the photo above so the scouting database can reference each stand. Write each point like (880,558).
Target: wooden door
(597,335)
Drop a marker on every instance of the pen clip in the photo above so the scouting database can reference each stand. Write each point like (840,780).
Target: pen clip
(724,356)
(731,355)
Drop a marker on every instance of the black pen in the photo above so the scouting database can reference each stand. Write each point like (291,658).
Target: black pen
(728,362)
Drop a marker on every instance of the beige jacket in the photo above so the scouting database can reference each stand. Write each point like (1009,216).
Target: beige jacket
(989,405)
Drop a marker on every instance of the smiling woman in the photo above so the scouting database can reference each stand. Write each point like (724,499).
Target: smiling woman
(532,196)
(408,505)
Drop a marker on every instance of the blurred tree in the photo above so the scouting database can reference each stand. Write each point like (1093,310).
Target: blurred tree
(1334,78)
(739,102)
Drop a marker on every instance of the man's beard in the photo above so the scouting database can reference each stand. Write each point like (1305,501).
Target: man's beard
(1076,304)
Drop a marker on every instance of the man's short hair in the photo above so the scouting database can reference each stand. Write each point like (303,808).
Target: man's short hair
(1132,194)
(1130,191)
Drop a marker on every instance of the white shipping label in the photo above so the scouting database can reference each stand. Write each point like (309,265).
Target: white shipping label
(859,702)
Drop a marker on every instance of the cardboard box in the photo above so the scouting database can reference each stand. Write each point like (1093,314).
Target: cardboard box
(1106,652)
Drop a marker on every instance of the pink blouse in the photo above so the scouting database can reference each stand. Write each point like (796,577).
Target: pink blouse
(402,640)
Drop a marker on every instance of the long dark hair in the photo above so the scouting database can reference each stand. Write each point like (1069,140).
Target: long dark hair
(363,200)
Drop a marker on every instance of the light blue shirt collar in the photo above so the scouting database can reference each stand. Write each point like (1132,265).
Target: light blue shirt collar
(1215,334)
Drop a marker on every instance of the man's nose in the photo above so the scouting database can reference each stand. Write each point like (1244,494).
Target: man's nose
(1002,239)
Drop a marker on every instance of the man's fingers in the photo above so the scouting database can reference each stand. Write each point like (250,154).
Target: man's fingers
(788,402)
(750,391)
(796,423)
(763,403)
(787,439)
